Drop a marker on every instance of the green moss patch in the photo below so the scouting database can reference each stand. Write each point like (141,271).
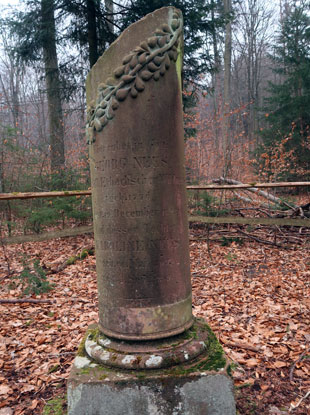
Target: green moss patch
(215,357)
(93,334)
(56,406)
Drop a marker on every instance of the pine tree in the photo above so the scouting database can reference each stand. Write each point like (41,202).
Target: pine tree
(35,31)
(287,107)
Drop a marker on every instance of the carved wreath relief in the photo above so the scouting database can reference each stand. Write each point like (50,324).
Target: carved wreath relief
(150,60)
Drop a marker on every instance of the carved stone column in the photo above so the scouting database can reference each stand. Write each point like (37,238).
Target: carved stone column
(146,356)
(135,133)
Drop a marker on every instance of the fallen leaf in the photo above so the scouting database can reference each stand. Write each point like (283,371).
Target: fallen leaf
(5,390)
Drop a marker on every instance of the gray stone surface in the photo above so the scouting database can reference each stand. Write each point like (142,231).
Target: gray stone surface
(101,392)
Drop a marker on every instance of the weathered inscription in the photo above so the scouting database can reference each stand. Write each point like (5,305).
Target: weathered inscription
(140,262)
(142,162)
(139,245)
(126,197)
(130,180)
(134,214)
(112,164)
(132,145)
(147,162)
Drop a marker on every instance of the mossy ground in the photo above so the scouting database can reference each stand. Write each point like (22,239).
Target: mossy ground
(56,406)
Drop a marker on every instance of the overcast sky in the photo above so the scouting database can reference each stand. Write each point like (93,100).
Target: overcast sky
(8,2)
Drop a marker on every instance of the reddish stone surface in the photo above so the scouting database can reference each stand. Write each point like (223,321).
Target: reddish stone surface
(139,199)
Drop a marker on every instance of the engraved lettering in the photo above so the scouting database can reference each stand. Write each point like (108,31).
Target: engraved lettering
(111,164)
(139,245)
(147,162)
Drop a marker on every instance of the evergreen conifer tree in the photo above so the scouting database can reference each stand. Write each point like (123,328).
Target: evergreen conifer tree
(286,137)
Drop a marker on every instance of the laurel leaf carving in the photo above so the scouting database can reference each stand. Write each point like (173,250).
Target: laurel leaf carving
(110,113)
(127,58)
(156,76)
(167,61)
(162,70)
(146,75)
(127,69)
(144,46)
(142,58)
(139,84)
(127,78)
(166,28)
(103,104)
(99,112)
(114,104)
(121,94)
(119,71)
(138,49)
(110,81)
(161,41)
(158,60)
(134,62)
(97,125)
(101,87)
(147,61)
(134,92)
(105,92)
(175,24)
(173,55)
(152,41)
(152,67)
(159,32)
(103,121)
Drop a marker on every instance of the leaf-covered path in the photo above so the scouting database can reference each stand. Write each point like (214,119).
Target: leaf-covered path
(255,297)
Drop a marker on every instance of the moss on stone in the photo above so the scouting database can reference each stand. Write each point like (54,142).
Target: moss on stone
(215,357)
(93,334)
(81,349)
(56,406)
(85,371)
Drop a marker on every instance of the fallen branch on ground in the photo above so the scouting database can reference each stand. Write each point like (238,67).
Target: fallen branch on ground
(263,241)
(25,300)
(268,196)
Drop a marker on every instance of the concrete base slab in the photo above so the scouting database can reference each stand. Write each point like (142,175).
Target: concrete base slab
(201,387)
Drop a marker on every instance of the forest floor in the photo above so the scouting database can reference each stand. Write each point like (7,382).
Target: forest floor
(256,297)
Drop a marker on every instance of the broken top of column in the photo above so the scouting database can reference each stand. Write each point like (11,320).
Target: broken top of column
(143,52)
(135,131)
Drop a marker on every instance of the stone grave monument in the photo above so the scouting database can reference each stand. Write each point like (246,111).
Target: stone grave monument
(147,355)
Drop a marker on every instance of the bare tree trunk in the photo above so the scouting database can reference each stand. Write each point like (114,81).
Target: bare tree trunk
(110,14)
(92,32)
(227,90)
(215,75)
(56,127)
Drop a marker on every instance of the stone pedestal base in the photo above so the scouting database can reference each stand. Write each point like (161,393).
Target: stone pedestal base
(203,393)
(199,387)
